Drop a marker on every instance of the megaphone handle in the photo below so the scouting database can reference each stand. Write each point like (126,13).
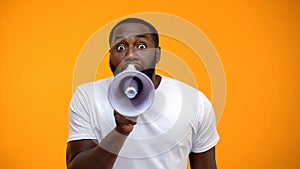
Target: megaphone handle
(134,118)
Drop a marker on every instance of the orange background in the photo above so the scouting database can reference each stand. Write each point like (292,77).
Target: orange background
(257,41)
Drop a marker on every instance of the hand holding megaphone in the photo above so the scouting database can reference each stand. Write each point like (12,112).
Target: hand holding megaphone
(123,124)
(131,92)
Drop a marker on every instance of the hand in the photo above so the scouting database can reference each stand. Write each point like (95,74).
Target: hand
(124,125)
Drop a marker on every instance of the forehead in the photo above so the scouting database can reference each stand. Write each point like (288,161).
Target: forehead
(126,30)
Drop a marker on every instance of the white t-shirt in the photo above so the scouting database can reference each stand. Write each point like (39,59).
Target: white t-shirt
(181,120)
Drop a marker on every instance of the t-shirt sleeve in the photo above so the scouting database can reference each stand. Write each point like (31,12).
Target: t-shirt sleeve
(79,112)
(206,135)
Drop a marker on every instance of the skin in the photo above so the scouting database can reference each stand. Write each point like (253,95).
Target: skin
(130,45)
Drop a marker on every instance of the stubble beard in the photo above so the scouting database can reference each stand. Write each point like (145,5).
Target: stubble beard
(148,72)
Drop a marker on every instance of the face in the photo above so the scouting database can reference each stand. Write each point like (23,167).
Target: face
(132,44)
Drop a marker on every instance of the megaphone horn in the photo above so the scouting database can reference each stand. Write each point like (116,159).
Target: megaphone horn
(131,86)
(131,92)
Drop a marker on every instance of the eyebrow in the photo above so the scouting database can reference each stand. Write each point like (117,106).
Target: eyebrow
(137,36)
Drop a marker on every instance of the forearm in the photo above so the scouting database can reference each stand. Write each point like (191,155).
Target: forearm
(102,156)
(205,160)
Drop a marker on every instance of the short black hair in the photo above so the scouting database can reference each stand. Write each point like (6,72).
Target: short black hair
(153,31)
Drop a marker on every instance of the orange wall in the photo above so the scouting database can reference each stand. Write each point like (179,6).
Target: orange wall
(257,41)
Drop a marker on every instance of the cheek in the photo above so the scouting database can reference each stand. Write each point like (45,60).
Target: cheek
(116,58)
(147,53)
(148,58)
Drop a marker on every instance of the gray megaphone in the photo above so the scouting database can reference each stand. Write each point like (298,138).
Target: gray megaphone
(131,92)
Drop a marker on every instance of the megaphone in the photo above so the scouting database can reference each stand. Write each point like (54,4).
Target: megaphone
(131,93)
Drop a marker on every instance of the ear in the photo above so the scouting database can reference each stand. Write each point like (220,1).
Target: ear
(157,54)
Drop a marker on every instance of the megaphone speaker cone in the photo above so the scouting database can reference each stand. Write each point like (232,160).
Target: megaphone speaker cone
(131,93)
(131,86)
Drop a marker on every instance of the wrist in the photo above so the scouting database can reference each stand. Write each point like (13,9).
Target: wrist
(113,142)
(121,131)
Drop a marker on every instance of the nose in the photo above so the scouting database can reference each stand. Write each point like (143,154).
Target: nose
(131,54)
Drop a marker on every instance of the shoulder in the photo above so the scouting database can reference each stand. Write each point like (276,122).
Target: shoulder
(91,86)
(185,89)
(192,101)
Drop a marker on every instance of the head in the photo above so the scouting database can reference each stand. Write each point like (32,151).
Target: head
(134,41)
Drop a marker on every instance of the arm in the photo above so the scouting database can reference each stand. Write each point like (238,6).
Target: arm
(205,160)
(88,154)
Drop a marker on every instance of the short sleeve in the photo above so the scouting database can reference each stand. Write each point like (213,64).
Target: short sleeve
(206,135)
(79,112)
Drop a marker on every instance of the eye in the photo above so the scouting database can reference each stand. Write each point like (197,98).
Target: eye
(121,47)
(141,46)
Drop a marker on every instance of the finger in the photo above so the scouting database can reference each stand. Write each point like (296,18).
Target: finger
(121,120)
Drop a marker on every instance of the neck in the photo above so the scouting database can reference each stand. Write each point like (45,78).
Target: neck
(156,80)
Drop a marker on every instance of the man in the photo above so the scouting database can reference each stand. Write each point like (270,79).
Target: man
(180,125)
